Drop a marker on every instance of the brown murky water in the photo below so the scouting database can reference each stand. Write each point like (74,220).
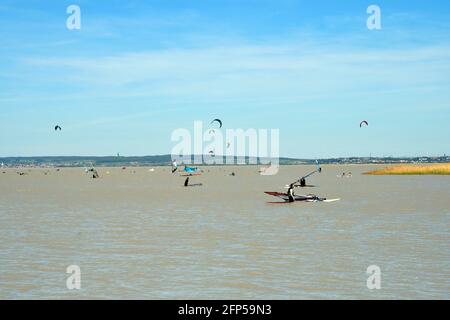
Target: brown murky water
(137,234)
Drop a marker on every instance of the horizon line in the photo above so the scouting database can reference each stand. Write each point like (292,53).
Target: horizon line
(246,156)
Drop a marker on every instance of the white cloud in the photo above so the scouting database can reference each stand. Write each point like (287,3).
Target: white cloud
(246,72)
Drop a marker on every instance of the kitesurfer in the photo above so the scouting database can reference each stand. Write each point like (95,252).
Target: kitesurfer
(94,172)
(186,182)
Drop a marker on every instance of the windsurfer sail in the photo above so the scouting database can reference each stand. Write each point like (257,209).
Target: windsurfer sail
(302,181)
(190,169)
(305,198)
(174,166)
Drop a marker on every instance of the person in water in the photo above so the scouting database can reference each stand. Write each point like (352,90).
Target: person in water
(290,192)
(186,183)
(302,182)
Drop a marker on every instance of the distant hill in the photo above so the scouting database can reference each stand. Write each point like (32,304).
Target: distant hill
(82,161)
(159,160)
(110,161)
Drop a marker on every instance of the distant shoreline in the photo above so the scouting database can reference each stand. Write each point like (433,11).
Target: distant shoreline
(29,163)
(166,160)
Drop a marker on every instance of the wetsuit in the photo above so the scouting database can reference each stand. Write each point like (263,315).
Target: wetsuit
(186,183)
(302,182)
(290,194)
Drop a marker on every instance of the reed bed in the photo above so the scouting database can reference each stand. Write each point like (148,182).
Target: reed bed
(412,169)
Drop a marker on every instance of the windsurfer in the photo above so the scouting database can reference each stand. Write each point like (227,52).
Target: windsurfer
(290,192)
(302,182)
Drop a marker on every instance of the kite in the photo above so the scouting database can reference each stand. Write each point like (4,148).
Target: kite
(218,121)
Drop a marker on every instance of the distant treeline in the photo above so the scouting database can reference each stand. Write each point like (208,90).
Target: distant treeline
(81,161)
(110,161)
(159,160)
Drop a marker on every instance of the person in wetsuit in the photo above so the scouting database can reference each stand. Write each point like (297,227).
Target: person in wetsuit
(302,182)
(186,183)
(290,192)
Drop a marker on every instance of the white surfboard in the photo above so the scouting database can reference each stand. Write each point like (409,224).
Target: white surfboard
(331,200)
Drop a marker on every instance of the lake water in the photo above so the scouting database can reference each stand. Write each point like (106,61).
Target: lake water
(137,234)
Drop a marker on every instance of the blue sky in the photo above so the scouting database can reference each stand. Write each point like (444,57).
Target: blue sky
(137,70)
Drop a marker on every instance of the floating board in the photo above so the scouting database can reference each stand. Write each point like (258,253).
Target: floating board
(287,202)
(279,202)
(194,185)
(306,198)
(285,197)
(331,200)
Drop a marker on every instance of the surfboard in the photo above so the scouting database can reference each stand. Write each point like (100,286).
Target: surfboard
(305,198)
(194,185)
